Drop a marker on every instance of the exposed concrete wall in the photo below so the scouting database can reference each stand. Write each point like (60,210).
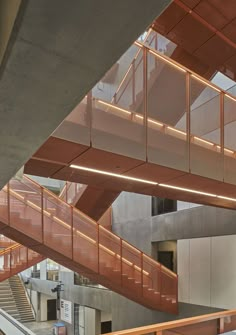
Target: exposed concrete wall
(55,55)
(8,12)
(86,296)
(207,271)
(201,221)
(127,314)
(131,206)
(132,220)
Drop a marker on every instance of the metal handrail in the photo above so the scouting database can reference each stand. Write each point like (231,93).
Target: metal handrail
(16,324)
(129,260)
(160,328)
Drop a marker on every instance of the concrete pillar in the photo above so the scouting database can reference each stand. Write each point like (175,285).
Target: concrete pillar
(43,270)
(92,321)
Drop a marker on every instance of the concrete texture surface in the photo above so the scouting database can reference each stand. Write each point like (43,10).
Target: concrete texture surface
(41,328)
(56,54)
(201,221)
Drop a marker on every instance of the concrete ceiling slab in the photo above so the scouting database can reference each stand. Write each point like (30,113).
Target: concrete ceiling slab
(56,53)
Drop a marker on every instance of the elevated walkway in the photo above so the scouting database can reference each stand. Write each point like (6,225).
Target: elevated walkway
(37,218)
(190,158)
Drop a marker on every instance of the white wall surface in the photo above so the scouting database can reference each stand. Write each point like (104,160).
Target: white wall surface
(207,271)
(185,205)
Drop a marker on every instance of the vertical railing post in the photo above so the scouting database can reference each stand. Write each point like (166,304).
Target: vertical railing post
(42,216)
(188,121)
(145,100)
(66,191)
(72,232)
(8,204)
(133,83)
(177,293)
(160,284)
(10,261)
(27,256)
(142,281)
(89,113)
(98,241)
(222,135)
(121,262)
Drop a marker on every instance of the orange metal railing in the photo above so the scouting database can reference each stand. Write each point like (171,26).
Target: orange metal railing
(71,192)
(5,242)
(15,259)
(162,113)
(58,230)
(214,323)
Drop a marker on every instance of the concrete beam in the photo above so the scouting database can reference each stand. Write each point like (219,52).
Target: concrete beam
(56,54)
(202,221)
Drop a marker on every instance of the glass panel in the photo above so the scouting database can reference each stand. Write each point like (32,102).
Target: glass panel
(117,126)
(167,140)
(159,43)
(25,208)
(76,126)
(57,224)
(229,140)
(205,156)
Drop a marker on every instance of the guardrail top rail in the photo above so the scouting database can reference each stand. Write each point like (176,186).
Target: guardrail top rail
(221,322)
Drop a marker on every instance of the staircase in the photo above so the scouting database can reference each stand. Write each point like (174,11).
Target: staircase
(7,302)
(37,218)
(13,300)
(22,303)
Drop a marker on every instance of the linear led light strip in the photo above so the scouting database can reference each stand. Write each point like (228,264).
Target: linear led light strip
(156,123)
(206,83)
(67,226)
(230,97)
(116,175)
(160,56)
(152,182)
(129,68)
(183,70)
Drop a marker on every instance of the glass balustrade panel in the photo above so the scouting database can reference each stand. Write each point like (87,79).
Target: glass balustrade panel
(166,97)
(205,150)
(229,142)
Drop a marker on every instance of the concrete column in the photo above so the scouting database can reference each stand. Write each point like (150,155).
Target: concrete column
(92,321)
(43,270)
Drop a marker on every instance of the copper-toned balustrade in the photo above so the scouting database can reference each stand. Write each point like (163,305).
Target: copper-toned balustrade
(15,259)
(37,218)
(210,324)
